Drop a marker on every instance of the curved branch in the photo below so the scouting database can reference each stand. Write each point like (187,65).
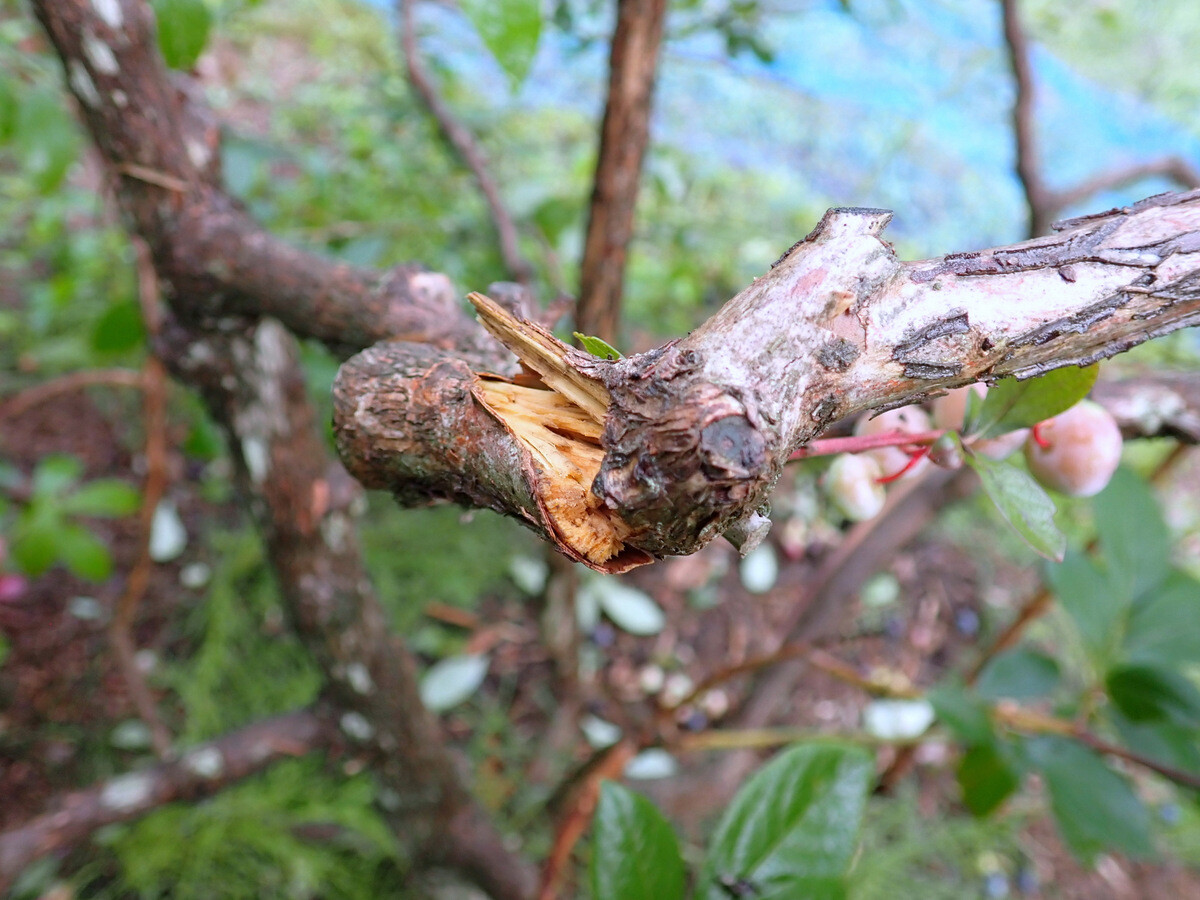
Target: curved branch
(660,452)
(200,772)
(464,143)
(165,148)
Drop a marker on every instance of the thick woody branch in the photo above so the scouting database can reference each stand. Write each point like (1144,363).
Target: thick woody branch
(163,146)
(200,772)
(252,383)
(695,433)
(624,134)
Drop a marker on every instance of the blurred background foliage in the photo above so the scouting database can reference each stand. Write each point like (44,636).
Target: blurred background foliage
(767,113)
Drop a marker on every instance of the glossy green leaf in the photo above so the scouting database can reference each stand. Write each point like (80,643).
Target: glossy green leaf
(510,29)
(962,711)
(120,329)
(792,829)
(1092,602)
(597,346)
(635,854)
(1011,404)
(84,553)
(103,497)
(1023,503)
(1095,808)
(1019,674)
(1151,693)
(1134,538)
(55,474)
(1164,625)
(986,779)
(183,27)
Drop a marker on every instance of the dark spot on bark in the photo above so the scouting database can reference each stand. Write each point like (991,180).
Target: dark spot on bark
(931,370)
(1067,273)
(838,354)
(732,447)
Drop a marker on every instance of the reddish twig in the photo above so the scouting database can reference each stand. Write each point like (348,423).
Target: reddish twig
(858,443)
(624,135)
(464,144)
(154,381)
(25,400)
(578,817)
(200,772)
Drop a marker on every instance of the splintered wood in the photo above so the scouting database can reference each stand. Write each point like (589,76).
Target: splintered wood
(559,423)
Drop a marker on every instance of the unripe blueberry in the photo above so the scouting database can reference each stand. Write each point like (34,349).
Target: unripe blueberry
(950,409)
(907,419)
(852,483)
(1083,449)
(1003,446)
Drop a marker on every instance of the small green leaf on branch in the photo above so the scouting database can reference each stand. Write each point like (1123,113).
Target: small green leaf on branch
(1011,404)
(597,346)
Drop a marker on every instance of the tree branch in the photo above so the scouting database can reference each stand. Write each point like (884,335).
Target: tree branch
(253,385)
(624,134)
(164,146)
(621,461)
(464,144)
(200,772)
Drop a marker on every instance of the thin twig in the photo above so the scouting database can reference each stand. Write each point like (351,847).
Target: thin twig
(154,380)
(1028,171)
(40,393)
(465,145)
(858,443)
(1173,168)
(609,766)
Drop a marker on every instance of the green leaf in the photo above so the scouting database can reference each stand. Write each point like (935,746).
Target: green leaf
(1023,503)
(45,137)
(103,497)
(1092,602)
(1011,404)
(554,216)
(1095,808)
(34,546)
(635,855)
(510,30)
(962,711)
(55,474)
(120,329)
(1164,626)
(84,553)
(1165,742)
(986,779)
(792,829)
(183,27)
(1151,694)
(1019,674)
(597,346)
(1134,539)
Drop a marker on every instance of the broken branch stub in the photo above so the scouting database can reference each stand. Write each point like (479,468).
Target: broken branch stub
(622,461)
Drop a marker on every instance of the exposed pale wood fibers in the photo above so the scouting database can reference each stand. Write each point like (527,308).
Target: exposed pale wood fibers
(564,441)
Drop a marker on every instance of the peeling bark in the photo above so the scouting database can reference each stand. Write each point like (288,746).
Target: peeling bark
(696,432)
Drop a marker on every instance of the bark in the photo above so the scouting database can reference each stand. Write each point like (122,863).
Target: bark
(695,433)
(230,286)
(163,147)
(624,134)
(252,383)
(200,772)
